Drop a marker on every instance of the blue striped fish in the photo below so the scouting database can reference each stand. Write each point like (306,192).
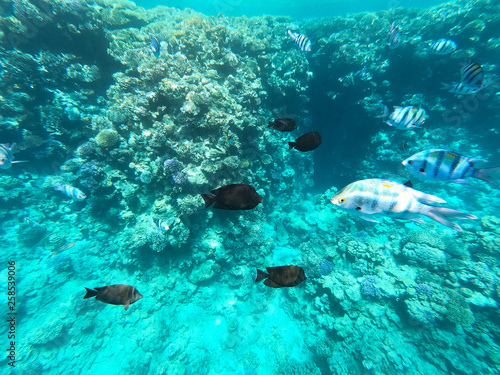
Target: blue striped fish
(379,197)
(72,192)
(472,74)
(447,165)
(461,89)
(406,117)
(443,46)
(7,157)
(301,40)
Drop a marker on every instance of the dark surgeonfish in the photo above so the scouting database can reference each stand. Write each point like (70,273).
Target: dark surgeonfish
(233,197)
(282,276)
(306,142)
(283,124)
(119,294)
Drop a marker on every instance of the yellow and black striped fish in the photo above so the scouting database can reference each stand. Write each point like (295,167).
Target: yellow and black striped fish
(301,40)
(404,147)
(472,74)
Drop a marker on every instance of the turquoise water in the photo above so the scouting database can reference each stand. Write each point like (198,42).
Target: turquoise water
(137,135)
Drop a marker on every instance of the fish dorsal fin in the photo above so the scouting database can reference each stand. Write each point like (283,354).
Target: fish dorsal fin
(408,183)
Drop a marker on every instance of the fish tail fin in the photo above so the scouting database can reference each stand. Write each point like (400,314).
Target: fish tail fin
(442,215)
(291,145)
(270,124)
(261,275)
(385,112)
(90,293)
(485,174)
(446,86)
(209,199)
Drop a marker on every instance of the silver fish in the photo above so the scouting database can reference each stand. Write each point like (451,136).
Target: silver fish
(447,165)
(70,191)
(395,36)
(380,197)
(461,89)
(472,75)
(301,40)
(443,46)
(7,157)
(160,224)
(406,117)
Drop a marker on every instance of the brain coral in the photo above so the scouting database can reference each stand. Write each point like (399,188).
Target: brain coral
(107,138)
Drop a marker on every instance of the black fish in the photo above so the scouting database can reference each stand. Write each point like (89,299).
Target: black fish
(283,124)
(281,277)
(119,294)
(233,197)
(306,142)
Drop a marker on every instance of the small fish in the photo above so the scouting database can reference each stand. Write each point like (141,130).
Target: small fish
(306,142)
(160,224)
(301,40)
(6,156)
(233,197)
(155,46)
(406,117)
(283,124)
(72,192)
(282,276)
(447,165)
(63,248)
(380,197)
(404,147)
(119,294)
(229,139)
(472,75)
(394,37)
(461,89)
(443,46)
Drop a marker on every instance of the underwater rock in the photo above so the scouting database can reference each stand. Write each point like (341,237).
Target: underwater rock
(203,273)
(46,333)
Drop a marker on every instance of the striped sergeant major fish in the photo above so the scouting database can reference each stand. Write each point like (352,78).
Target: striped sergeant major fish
(301,40)
(472,75)
(70,191)
(161,224)
(405,117)
(378,197)
(461,89)
(394,37)
(7,157)
(443,46)
(447,165)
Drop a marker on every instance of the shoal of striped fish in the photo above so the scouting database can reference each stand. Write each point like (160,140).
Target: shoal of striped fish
(406,117)
(301,40)
(443,46)
(160,224)
(394,37)
(70,191)
(7,157)
(447,165)
(155,46)
(378,197)
(472,75)
(461,89)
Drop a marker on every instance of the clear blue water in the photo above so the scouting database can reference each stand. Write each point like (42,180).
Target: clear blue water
(115,143)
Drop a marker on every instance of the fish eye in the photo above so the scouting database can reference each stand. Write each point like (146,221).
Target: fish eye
(341,200)
(358,208)
(410,161)
(422,170)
